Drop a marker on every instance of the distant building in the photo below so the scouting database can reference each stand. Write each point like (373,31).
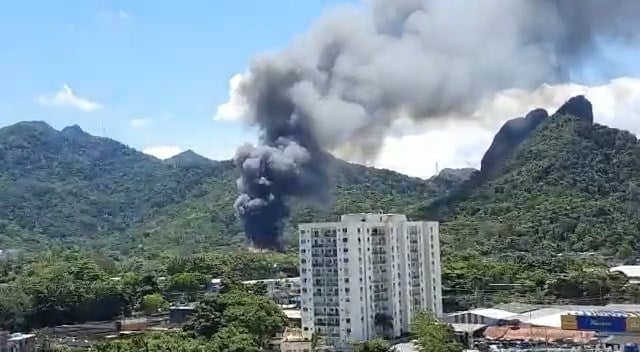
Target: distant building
(487,316)
(294,317)
(295,340)
(214,285)
(367,276)
(17,342)
(180,315)
(285,291)
(632,272)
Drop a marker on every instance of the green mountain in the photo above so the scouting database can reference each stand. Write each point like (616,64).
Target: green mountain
(68,187)
(568,185)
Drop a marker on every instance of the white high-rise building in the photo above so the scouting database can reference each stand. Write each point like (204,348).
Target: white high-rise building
(367,275)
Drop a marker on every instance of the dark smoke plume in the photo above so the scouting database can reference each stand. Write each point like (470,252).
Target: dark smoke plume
(359,68)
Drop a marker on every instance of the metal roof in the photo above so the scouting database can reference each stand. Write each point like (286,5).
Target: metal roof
(627,270)
(470,328)
(492,313)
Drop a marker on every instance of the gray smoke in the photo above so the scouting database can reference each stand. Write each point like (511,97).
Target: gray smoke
(359,68)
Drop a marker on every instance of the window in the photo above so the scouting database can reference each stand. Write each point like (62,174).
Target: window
(344,230)
(346,280)
(345,240)
(345,250)
(346,290)
(348,321)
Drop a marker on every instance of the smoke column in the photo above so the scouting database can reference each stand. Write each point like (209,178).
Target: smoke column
(339,86)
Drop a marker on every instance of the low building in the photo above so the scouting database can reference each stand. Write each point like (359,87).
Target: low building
(295,340)
(131,324)
(632,272)
(17,342)
(180,315)
(283,291)
(294,317)
(214,285)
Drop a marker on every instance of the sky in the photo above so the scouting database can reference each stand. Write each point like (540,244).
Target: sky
(157,76)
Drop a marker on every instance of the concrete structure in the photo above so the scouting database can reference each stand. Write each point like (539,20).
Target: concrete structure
(284,291)
(367,275)
(295,340)
(294,317)
(17,342)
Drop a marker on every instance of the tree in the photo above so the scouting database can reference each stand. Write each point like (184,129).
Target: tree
(259,315)
(234,339)
(207,317)
(375,345)
(433,336)
(187,282)
(15,308)
(220,315)
(152,303)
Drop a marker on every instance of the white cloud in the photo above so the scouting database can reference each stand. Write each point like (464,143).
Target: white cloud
(163,151)
(67,98)
(462,143)
(235,108)
(139,123)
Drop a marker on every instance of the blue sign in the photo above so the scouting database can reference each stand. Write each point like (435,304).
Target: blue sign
(601,323)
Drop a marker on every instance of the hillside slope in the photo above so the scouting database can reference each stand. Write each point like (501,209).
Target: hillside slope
(70,187)
(571,186)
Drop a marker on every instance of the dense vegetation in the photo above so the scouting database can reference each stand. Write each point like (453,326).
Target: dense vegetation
(572,187)
(54,288)
(68,187)
(542,228)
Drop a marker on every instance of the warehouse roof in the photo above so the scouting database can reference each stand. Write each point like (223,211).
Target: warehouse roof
(492,313)
(627,270)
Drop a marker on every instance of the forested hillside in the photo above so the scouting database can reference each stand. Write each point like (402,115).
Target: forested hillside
(571,186)
(70,187)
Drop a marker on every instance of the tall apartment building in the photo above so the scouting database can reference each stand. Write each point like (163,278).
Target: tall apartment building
(367,275)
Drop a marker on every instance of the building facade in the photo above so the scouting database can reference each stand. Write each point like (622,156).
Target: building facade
(367,276)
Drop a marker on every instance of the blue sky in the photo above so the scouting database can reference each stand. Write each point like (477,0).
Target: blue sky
(151,73)
(162,63)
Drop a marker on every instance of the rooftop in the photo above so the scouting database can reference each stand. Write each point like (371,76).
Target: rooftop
(492,313)
(293,313)
(627,270)
(19,337)
(294,335)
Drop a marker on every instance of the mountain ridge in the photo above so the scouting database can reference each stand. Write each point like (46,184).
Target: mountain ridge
(67,186)
(566,184)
